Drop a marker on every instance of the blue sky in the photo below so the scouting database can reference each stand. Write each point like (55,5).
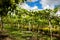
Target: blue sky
(40,4)
(37,3)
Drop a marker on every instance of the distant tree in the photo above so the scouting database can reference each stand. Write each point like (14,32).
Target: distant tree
(56,8)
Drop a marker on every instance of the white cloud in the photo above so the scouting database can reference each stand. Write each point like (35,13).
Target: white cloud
(27,7)
(49,3)
(34,8)
(32,0)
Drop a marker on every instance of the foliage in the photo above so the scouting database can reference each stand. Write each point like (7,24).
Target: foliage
(17,20)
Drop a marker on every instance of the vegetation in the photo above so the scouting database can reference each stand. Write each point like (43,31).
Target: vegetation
(21,24)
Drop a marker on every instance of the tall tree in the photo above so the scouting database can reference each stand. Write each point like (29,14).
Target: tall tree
(5,6)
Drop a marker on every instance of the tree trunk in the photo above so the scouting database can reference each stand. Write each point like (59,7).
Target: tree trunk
(1,22)
(50,26)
